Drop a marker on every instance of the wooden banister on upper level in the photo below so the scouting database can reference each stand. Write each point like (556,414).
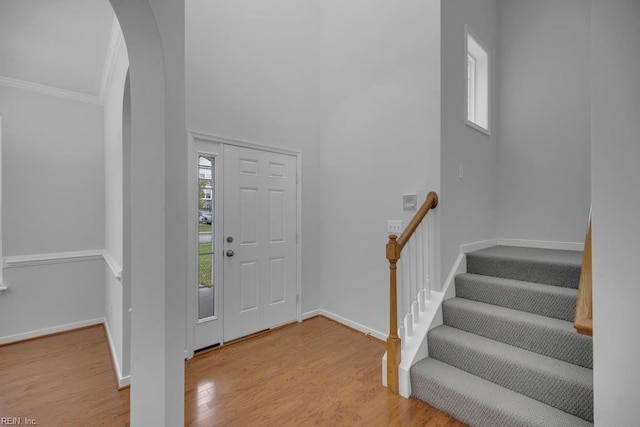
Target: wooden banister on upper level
(583,321)
(393,250)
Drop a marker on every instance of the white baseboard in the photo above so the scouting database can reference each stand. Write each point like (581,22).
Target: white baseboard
(542,244)
(527,243)
(48,331)
(310,314)
(350,323)
(123,381)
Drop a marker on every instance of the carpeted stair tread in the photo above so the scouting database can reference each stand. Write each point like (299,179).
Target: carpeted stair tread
(545,300)
(548,266)
(557,383)
(479,402)
(544,335)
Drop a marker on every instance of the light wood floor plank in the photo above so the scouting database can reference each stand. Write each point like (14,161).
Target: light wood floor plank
(317,373)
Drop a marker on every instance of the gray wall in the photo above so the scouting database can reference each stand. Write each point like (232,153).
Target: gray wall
(616,202)
(53,171)
(468,205)
(354,86)
(380,133)
(544,119)
(53,201)
(252,74)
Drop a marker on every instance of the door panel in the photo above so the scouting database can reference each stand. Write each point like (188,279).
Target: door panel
(260,218)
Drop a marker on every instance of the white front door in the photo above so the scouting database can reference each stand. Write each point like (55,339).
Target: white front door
(259,242)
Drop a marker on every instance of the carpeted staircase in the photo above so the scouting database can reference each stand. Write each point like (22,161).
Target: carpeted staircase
(507,354)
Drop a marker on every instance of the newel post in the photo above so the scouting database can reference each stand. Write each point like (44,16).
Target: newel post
(393,341)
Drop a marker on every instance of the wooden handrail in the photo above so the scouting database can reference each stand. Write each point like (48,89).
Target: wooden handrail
(430,203)
(394,248)
(583,321)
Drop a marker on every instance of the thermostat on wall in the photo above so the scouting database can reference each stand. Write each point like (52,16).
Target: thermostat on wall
(409,202)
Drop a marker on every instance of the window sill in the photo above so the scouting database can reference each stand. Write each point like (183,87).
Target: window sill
(477,127)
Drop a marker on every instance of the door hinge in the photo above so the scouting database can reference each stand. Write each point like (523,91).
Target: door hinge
(297,178)
(297,298)
(297,238)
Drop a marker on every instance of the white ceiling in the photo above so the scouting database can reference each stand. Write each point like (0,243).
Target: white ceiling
(57,43)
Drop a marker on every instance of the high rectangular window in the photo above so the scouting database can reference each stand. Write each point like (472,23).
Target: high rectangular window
(477,83)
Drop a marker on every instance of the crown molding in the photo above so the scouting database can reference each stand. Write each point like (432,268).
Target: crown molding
(49,90)
(116,42)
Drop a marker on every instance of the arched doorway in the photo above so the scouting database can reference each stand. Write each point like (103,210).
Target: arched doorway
(154,34)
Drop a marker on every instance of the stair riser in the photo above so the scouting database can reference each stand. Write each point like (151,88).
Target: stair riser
(532,301)
(567,394)
(560,344)
(525,270)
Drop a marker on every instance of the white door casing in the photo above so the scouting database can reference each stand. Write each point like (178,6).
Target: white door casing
(274,308)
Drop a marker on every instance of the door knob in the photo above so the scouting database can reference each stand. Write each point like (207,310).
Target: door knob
(230,253)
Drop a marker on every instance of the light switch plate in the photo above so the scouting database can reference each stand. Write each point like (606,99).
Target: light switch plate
(395,227)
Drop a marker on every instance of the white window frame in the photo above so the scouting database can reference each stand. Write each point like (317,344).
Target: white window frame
(208,193)
(477,83)
(471,87)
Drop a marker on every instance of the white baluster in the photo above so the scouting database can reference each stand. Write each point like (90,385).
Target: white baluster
(427,262)
(401,333)
(406,267)
(404,297)
(421,262)
(414,279)
(409,324)
(400,298)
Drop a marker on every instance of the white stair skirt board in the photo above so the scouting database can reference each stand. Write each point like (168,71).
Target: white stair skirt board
(48,331)
(123,381)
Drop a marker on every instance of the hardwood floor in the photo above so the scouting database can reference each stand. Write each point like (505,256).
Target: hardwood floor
(314,373)
(62,380)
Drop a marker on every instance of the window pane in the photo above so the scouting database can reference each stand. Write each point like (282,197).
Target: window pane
(206,259)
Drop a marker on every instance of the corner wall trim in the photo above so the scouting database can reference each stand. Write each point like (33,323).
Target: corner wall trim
(115,267)
(116,41)
(52,258)
(48,331)
(123,381)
